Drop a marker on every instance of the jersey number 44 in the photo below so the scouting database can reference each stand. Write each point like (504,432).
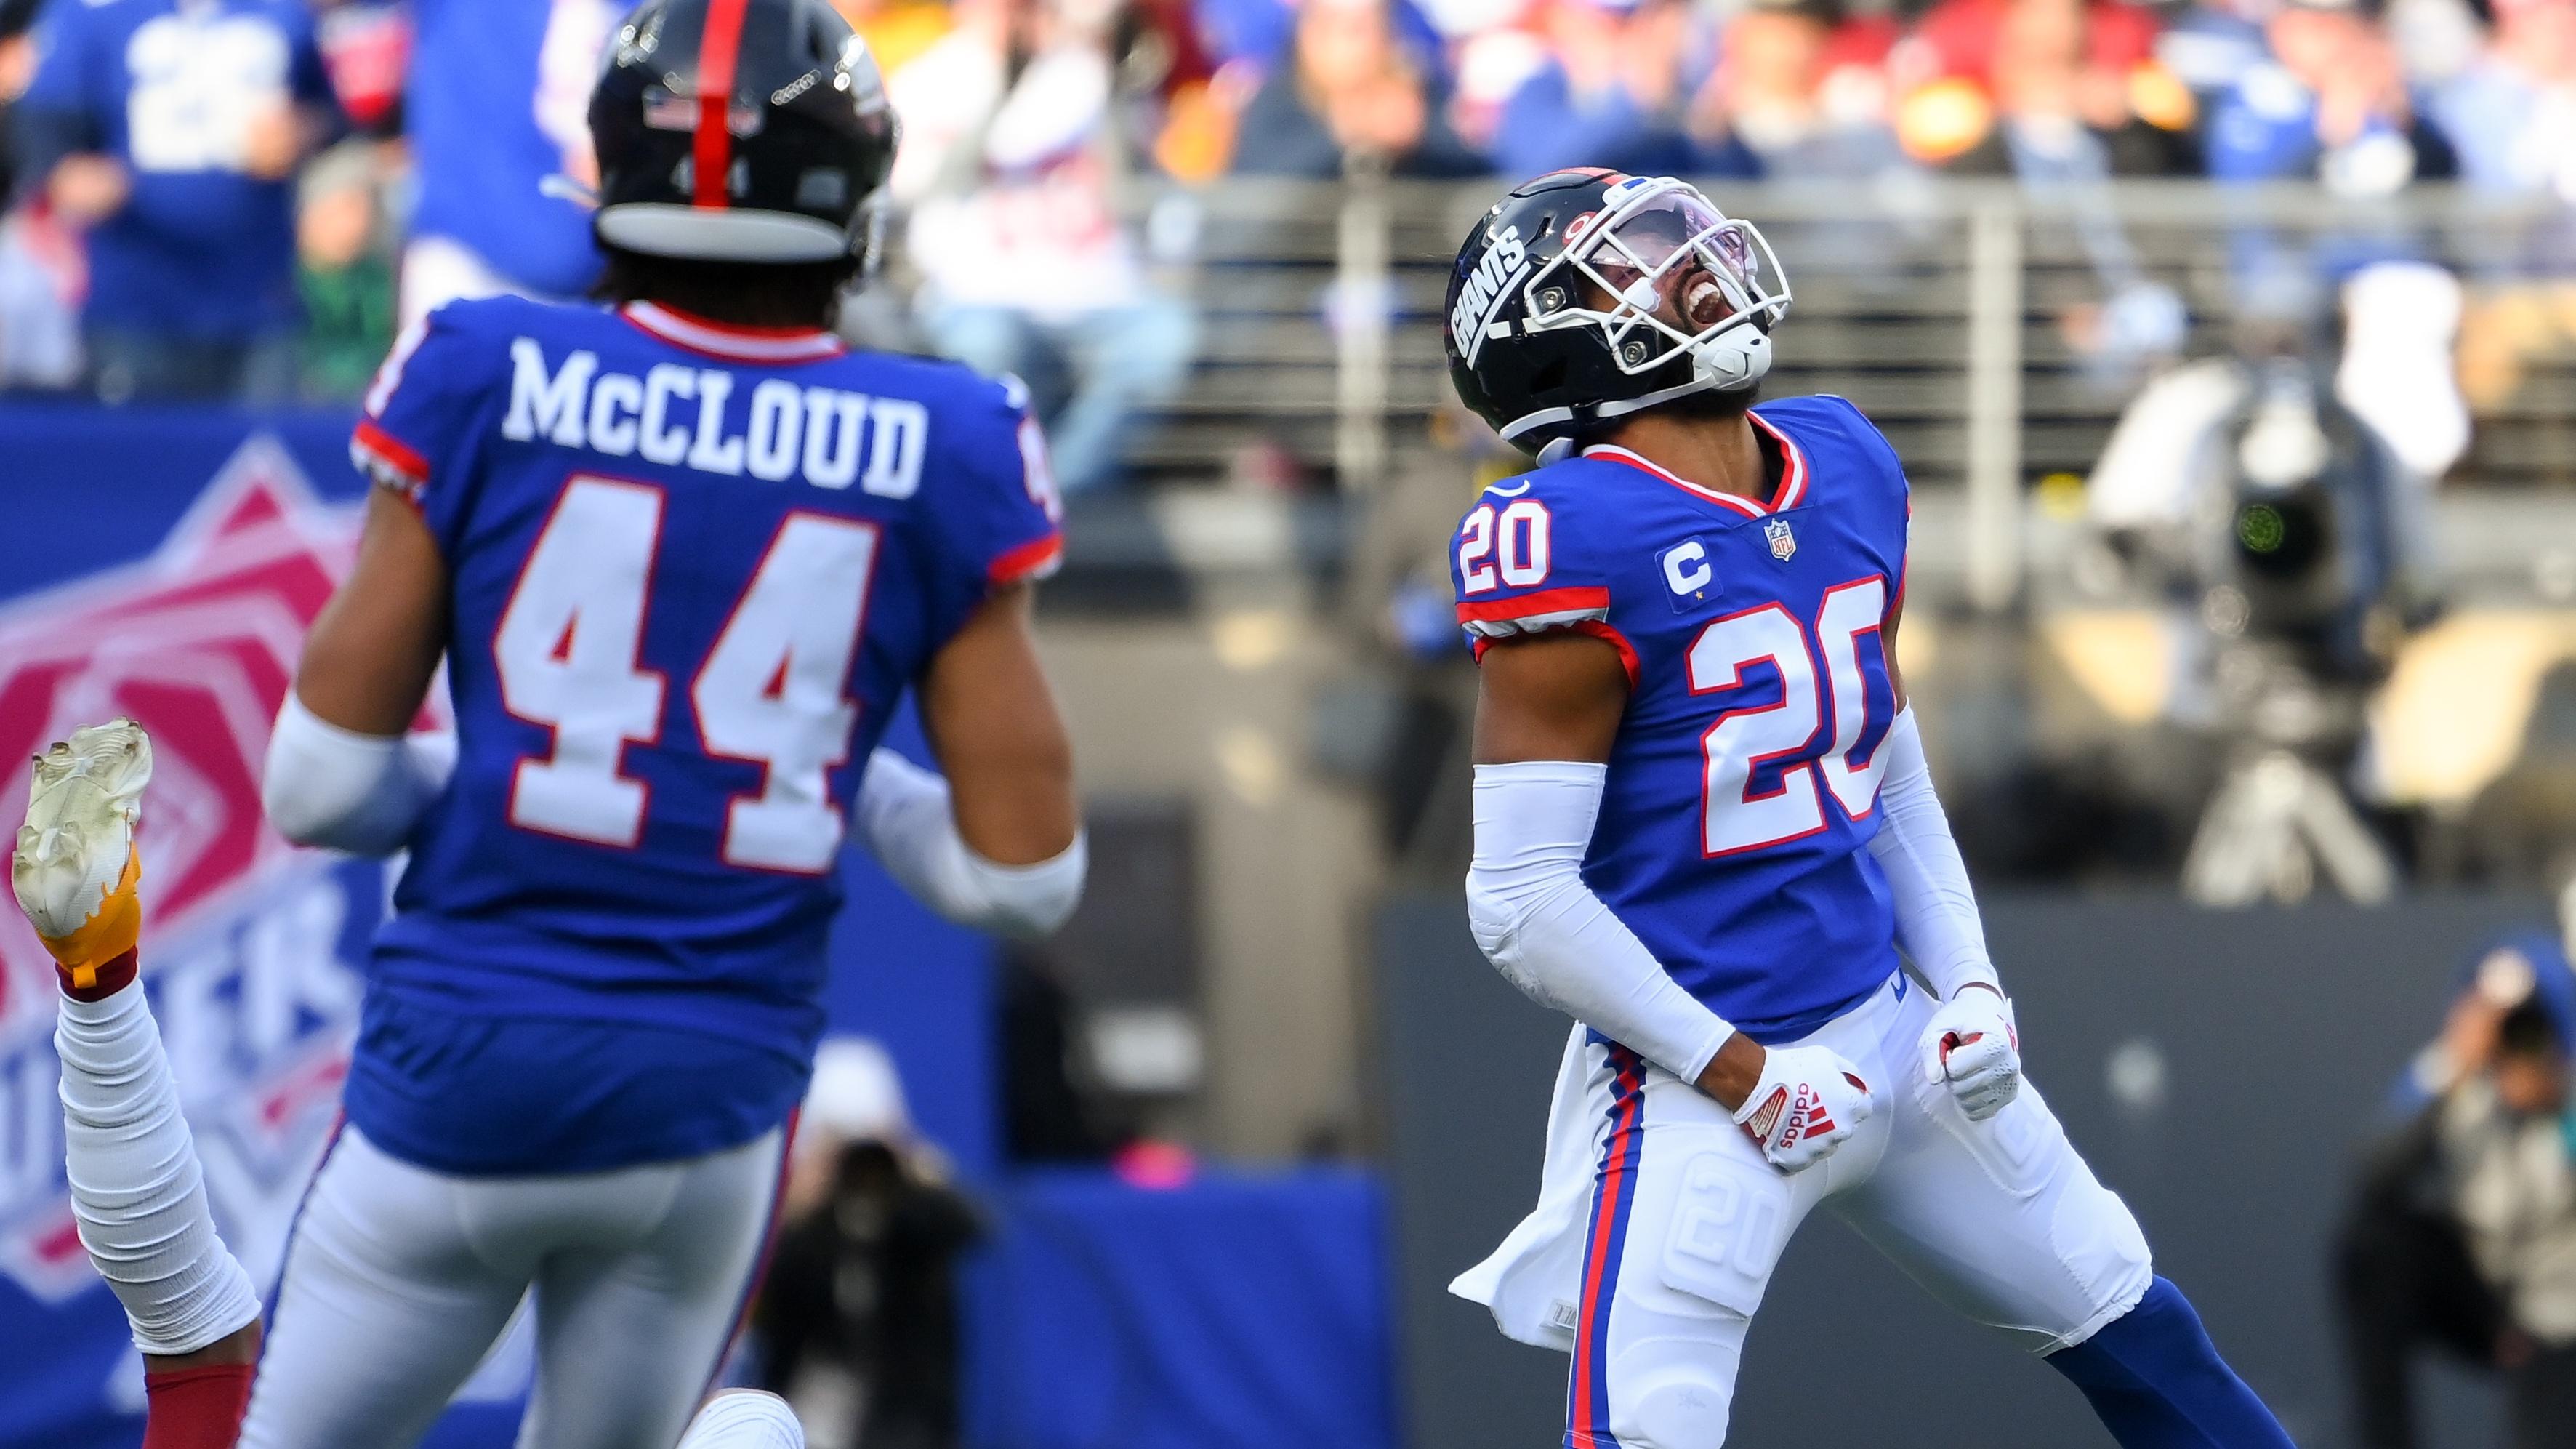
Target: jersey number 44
(771,691)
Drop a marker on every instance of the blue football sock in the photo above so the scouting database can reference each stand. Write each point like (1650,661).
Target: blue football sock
(2158,1383)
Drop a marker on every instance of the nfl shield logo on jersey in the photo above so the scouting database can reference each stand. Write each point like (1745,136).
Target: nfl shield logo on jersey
(1783,542)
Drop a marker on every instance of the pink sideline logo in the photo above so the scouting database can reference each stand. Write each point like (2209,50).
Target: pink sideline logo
(248,948)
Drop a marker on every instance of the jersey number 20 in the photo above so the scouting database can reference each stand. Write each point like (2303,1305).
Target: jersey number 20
(770,692)
(1734,818)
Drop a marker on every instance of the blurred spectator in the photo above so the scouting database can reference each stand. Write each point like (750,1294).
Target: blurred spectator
(170,132)
(1008,160)
(2077,94)
(41,280)
(2461,1235)
(17,67)
(1352,89)
(1614,90)
(2209,45)
(498,113)
(366,46)
(2069,98)
(2511,116)
(2436,40)
(41,275)
(1803,98)
(344,273)
(897,31)
(858,1317)
(1972,39)
(1168,88)
(2331,105)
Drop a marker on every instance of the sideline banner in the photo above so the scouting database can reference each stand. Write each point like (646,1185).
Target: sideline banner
(165,564)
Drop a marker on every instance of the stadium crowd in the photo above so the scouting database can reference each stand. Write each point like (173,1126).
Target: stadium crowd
(222,198)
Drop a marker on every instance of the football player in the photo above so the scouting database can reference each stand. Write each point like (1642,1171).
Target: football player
(1703,827)
(683,555)
(138,1190)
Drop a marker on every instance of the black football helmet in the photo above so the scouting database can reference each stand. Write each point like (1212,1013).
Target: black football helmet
(1587,295)
(741,131)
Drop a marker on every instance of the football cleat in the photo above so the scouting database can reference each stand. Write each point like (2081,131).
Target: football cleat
(76,871)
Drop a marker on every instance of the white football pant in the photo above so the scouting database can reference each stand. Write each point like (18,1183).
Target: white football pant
(1662,1224)
(399,1279)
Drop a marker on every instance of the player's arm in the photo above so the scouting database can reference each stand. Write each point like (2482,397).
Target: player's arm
(1547,713)
(1972,1043)
(998,843)
(342,773)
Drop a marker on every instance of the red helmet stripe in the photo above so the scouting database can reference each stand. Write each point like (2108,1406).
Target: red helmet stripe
(711,156)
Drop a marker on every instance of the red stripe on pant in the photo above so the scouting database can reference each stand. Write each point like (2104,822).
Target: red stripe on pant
(1587,1410)
(711,149)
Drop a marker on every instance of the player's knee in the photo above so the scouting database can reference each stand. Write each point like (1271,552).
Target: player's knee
(1673,1394)
(745,1419)
(2099,1241)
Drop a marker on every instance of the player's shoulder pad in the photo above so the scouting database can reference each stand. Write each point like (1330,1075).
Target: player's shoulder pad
(951,387)
(1537,551)
(441,367)
(465,343)
(503,315)
(1571,490)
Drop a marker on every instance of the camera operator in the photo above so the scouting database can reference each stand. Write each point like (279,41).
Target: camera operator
(2461,1233)
(858,1317)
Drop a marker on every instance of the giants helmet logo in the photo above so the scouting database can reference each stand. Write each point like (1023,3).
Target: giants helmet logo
(1484,290)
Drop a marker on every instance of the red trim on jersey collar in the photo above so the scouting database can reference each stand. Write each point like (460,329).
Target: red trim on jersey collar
(732,341)
(1793,476)
(711,148)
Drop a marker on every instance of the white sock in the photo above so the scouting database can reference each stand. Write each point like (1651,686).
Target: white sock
(137,1189)
(744,1420)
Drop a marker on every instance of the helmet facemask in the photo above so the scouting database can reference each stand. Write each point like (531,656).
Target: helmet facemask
(1663,273)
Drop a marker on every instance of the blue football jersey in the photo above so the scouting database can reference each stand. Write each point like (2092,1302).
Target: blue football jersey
(692,571)
(1743,784)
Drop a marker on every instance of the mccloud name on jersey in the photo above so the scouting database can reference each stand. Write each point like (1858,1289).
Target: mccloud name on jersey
(676,416)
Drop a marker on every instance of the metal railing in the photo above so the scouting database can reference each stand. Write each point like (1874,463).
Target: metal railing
(1950,310)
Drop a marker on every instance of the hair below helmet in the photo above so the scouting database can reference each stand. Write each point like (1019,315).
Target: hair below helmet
(741,131)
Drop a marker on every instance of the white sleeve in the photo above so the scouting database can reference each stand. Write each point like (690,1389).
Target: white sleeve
(911,828)
(1546,931)
(1936,910)
(342,790)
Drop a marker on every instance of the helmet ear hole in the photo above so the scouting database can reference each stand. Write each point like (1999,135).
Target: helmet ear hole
(1548,378)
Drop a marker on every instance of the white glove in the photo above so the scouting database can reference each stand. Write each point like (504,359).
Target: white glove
(1973,1046)
(1808,1100)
